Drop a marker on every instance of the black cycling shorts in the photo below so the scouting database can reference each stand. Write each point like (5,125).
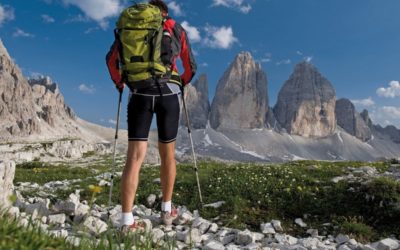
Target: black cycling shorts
(143,104)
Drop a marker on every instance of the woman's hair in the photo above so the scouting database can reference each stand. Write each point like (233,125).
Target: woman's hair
(160,4)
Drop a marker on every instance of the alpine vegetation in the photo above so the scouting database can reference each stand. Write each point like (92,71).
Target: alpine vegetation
(299,205)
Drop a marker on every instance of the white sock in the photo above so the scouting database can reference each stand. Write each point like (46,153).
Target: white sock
(127,219)
(166,206)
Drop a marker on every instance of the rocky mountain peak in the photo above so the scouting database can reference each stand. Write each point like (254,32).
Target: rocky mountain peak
(304,66)
(46,82)
(306,103)
(365,116)
(241,99)
(244,61)
(17,109)
(29,108)
(7,66)
(198,105)
(351,121)
(3,50)
(244,57)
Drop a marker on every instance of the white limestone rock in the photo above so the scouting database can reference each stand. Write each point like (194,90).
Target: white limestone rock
(341,238)
(56,218)
(267,228)
(388,244)
(157,235)
(151,199)
(285,239)
(300,222)
(277,225)
(213,245)
(244,238)
(95,225)
(7,173)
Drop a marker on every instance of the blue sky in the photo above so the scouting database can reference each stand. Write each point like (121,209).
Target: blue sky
(354,43)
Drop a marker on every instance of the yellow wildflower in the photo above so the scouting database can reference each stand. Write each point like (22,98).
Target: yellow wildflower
(95,189)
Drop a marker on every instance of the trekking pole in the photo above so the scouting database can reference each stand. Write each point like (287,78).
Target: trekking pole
(114,149)
(191,142)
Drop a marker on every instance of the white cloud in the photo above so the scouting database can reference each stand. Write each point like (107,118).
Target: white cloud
(91,30)
(220,37)
(299,53)
(204,64)
(266,58)
(308,58)
(98,10)
(112,121)
(20,33)
(284,62)
(392,91)
(195,52)
(386,115)
(392,112)
(47,18)
(192,32)
(87,89)
(239,5)
(367,102)
(6,14)
(36,75)
(77,19)
(176,8)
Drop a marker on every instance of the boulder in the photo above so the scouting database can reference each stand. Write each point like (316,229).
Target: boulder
(7,173)
(95,225)
(388,244)
(213,245)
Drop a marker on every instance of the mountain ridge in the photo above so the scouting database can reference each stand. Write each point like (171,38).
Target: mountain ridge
(238,125)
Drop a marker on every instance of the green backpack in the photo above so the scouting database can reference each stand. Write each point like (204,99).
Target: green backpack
(140,31)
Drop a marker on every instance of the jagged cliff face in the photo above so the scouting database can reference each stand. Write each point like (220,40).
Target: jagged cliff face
(17,109)
(31,107)
(390,131)
(241,99)
(50,101)
(365,116)
(306,103)
(198,105)
(351,121)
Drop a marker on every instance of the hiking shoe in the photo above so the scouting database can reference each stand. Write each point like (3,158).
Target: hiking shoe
(168,217)
(134,228)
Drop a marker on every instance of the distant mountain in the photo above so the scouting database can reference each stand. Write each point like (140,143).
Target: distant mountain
(241,99)
(306,123)
(306,103)
(302,125)
(198,105)
(351,121)
(390,131)
(33,112)
(17,107)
